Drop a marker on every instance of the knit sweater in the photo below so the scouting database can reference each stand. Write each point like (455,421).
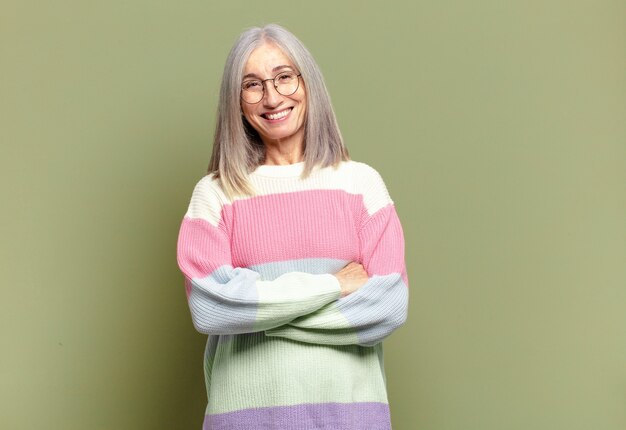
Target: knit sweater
(285,351)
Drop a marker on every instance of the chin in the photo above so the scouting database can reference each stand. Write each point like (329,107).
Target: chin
(277,136)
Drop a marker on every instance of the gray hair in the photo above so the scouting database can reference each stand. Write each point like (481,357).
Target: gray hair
(237,147)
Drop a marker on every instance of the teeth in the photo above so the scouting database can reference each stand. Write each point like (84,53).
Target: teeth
(278,115)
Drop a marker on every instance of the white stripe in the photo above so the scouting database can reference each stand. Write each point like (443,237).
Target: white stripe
(352,176)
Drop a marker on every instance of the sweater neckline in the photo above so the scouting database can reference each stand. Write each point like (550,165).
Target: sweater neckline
(279,170)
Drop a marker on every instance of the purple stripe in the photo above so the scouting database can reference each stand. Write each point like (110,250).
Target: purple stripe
(318,416)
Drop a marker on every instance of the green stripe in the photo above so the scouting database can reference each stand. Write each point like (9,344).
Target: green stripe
(253,370)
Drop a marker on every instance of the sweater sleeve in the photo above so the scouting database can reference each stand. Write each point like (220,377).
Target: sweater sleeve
(231,300)
(371,313)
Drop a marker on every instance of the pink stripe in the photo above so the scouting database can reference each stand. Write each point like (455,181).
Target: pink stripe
(382,242)
(202,248)
(297,225)
(289,226)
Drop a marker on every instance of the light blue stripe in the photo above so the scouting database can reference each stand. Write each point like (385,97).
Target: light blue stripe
(377,308)
(315,266)
(226,298)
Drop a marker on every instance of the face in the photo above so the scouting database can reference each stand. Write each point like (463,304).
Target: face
(268,117)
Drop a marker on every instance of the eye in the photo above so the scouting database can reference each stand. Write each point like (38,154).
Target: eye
(286,76)
(251,85)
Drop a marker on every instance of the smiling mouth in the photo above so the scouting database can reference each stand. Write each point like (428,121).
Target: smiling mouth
(277,115)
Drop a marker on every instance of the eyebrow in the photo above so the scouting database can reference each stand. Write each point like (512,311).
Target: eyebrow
(275,69)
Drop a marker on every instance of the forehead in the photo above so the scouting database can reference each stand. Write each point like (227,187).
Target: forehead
(264,59)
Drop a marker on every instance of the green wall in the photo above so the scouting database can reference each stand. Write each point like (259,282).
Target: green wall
(499,128)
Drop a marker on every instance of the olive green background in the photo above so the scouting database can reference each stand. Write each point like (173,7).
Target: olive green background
(499,128)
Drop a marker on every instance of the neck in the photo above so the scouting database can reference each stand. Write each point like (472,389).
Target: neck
(287,151)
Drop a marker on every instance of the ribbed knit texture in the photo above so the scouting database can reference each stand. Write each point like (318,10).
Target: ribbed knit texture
(284,351)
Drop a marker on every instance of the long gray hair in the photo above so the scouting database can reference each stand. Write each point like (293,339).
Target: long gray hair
(237,147)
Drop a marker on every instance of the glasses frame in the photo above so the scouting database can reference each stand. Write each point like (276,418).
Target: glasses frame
(298,76)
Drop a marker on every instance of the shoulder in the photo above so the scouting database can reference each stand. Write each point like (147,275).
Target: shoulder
(207,200)
(370,184)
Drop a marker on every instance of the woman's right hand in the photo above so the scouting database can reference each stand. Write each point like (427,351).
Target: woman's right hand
(352,277)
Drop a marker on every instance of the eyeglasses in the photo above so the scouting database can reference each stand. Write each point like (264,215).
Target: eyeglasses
(286,83)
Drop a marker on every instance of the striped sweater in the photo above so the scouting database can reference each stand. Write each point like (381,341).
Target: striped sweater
(284,350)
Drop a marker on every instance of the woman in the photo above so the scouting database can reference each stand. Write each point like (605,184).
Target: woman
(293,254)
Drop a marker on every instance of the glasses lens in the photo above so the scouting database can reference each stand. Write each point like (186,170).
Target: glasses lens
(252,91)
(287,83)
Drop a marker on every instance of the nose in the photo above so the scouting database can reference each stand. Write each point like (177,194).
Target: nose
(271,97)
